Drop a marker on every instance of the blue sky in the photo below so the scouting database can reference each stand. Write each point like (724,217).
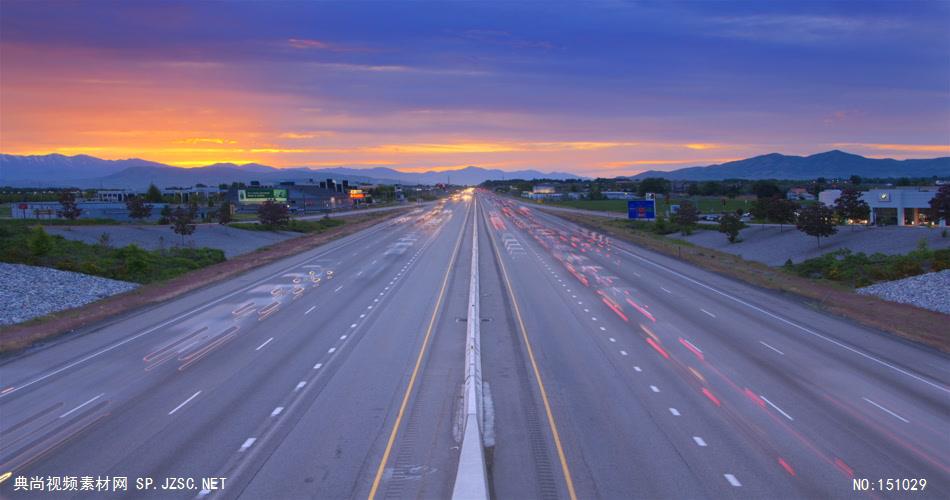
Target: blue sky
(598,88)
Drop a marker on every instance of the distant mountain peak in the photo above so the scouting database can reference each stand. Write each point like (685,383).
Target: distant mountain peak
(829,164)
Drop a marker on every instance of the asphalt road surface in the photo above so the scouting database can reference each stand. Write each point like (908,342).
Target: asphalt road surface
(609,372)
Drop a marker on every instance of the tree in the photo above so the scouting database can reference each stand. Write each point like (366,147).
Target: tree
(686,217)
(70,210)
(182,222)
(855,180)
(224,214)
(710,188)
(272,214)
(730,225)
(656,185)
(817,220)
(166,215)
(760,208)
(940,205)
(850,205)
(765,189)
(781,211)
(153,195)
(137,207)
(693,189)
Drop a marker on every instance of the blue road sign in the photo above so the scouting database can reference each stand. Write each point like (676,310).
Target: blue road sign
(641,209)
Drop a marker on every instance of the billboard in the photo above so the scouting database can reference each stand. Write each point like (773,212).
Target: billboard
(357,194)
(641,209)
(260,195)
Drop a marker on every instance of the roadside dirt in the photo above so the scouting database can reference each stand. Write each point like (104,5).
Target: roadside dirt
(913,323)
(46,327)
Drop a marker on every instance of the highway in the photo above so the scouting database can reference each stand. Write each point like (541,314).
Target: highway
(609,371)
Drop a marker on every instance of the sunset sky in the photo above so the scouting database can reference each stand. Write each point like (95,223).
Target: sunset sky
(605,88)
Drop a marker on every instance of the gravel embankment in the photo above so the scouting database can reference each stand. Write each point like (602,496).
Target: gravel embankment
(27,292)
(929,291)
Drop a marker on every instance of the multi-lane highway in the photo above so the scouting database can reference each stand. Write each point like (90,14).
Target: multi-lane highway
(609,371)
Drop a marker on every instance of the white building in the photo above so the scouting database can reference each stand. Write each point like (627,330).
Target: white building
(901,206)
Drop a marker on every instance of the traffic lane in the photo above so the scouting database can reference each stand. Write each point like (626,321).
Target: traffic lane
(600,420)
(423,460)
(112,369)
(521,457)
(850,416)
(736,432)
(273,323)
(873,347)
(133,389)
(833,373)
(22,369)
(713,444)
(334,447)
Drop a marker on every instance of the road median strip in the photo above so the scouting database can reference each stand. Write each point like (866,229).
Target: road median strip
(471,479)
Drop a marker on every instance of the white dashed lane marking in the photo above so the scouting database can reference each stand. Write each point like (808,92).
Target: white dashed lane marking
(699,441)
(277,411)
(247,444)
(675,412)
(709,313)
(732,480)
(772,348)
(889,412)
(193,396)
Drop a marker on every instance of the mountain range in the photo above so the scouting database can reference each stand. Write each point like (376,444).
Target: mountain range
(830,164)
(85,171)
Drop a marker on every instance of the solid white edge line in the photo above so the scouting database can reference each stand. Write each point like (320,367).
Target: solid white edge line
(193,396)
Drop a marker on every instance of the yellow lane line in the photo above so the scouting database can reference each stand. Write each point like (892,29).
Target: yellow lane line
(537,375)
(415,370)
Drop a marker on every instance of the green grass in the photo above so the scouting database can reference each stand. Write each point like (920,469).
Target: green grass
(6,209)
(33,246)
(297,226)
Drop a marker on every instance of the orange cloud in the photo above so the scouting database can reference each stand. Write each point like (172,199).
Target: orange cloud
(703,146)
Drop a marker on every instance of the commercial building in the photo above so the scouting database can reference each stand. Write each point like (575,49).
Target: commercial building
(901,206)
(326,196)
